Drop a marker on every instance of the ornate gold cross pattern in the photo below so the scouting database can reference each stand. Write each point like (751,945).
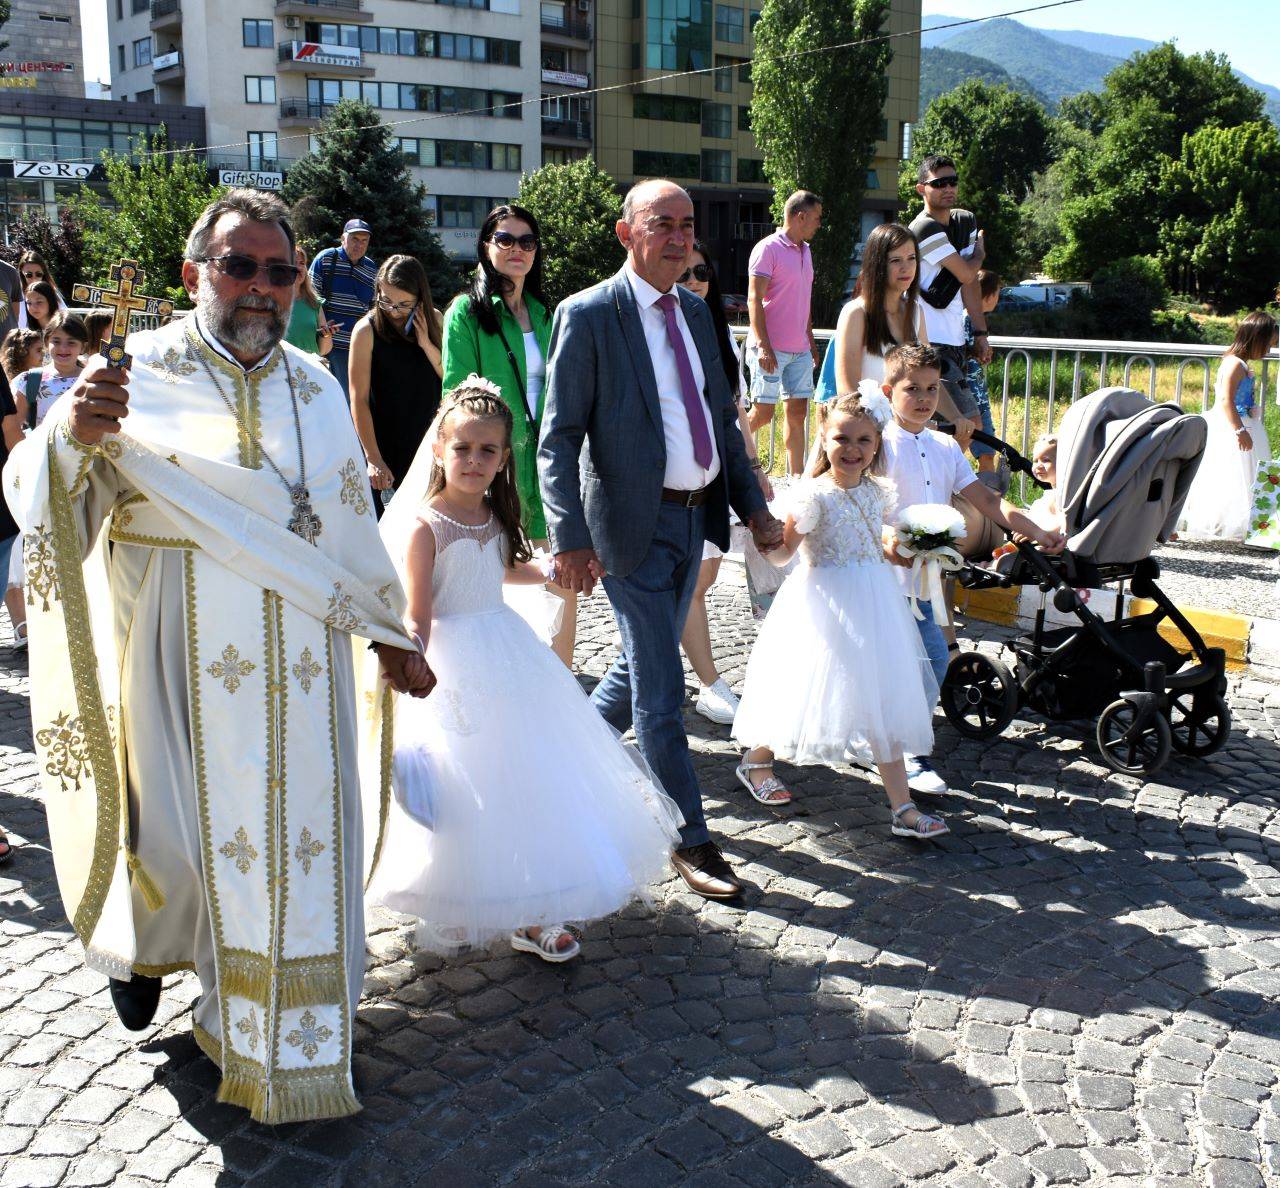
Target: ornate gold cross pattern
(123,300)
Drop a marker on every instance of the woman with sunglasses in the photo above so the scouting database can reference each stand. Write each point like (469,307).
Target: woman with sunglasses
(716,701)
(500,328)
(395,391)
(32,267)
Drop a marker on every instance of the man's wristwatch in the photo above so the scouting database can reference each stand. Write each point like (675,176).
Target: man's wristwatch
(981,334)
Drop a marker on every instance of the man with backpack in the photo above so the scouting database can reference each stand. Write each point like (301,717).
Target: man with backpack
(344,276)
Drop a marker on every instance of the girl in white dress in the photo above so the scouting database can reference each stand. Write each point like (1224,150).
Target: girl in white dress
(839,665)
(517,807)
(1220,502)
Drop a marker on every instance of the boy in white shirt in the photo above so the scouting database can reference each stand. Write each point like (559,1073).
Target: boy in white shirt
(929,467)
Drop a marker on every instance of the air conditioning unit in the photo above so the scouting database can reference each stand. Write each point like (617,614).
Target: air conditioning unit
(291,22)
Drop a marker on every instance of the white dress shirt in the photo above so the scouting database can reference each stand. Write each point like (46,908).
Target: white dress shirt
(926,467)
(683,472)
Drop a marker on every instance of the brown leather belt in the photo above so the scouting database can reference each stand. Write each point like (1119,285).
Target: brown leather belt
(687,498)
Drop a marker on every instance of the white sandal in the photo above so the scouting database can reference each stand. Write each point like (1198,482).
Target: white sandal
(20,636)
(767,790)
(927,825)
(545,944)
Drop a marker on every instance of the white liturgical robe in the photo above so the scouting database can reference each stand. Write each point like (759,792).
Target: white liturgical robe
(193,699)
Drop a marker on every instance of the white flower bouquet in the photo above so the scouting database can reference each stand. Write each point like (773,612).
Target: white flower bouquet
(927,533)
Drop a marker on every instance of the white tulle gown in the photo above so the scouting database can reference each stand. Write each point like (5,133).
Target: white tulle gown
(839,663)
(1220,503)
(515,803)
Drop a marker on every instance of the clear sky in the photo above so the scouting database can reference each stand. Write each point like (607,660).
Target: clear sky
(1247,31)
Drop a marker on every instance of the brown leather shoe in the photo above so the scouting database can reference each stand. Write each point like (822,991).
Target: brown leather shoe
(704,868)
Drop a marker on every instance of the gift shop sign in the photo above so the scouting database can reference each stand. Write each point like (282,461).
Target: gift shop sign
(257,178)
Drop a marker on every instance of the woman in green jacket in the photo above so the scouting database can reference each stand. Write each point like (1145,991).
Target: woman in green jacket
(500,329)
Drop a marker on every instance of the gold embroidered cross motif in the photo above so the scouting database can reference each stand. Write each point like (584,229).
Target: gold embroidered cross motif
(241,850)
(306,670)
(230,668)
(384,595)
(306,387)
(308,847)
(354,485)
(341,615)
(64,744)
(171,365)
(308,1035)
(39,572)
(249,1026)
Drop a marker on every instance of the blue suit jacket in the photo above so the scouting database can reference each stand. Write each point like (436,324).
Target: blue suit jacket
(602,453)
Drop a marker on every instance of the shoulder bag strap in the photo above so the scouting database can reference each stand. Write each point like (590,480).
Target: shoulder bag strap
(515,371)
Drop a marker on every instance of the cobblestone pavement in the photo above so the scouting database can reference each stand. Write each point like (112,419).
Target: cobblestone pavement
(1221,575)
(1079,985)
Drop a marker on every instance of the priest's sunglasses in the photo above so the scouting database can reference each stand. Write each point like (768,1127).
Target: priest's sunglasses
(245,268)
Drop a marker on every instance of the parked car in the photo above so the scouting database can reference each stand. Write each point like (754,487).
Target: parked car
(735,305)
(1015,301)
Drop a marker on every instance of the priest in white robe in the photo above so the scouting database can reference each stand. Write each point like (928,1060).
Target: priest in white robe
(200,550)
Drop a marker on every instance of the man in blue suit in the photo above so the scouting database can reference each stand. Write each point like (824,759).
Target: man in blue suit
(640,460)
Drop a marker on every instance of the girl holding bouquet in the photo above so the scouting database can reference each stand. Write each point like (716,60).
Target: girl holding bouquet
(838,663)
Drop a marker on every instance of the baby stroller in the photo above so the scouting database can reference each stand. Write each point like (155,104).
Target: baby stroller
(1125,465)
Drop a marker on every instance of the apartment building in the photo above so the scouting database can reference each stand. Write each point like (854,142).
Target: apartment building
(459,79)
(698,129)
(45,54)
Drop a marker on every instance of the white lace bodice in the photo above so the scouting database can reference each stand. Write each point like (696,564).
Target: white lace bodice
(842,527)
(470,565)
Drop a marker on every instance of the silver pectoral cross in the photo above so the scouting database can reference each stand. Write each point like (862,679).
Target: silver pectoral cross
(304,523)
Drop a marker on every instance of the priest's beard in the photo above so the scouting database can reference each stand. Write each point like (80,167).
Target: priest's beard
(244,335)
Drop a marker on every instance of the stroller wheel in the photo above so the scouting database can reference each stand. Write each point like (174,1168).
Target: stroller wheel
(1199,726)
(1131,749)
(979,695)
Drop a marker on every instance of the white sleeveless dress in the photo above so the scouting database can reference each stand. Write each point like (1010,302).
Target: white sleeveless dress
(515,803)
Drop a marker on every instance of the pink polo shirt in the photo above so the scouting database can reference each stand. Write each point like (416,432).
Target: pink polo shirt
(789,267)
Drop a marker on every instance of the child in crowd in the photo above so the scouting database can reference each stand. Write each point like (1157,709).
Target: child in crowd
(838,663)
(34,391)
(1045,510)
(989,286)
(518,807)
(98,324)
(929,467)
(1220,502)
(22,350)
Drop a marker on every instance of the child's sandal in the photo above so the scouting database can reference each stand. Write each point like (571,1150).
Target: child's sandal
(546,943)
(926,827)
(770,791)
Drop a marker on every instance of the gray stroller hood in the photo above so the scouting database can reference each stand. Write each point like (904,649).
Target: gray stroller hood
(1125,465)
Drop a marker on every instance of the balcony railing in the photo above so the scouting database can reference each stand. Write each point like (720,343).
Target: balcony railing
(304,109)
(752,232)
(571,129)
(353,5)
(579,30)
(164,8)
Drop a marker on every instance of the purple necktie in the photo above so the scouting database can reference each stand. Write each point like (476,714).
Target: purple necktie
(688,385)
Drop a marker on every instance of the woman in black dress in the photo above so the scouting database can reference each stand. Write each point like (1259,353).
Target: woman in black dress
(395,369)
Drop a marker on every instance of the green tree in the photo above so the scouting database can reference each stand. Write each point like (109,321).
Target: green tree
(158,194)
(817,117)
(358,171)
(1125,296)
(577,206)
(60,243)
(1222,240)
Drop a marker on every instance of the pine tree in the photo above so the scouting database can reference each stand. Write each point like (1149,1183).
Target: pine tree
(817,118)
(577,206)
(359,172)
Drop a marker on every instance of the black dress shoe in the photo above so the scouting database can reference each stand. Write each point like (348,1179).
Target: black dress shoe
(135,1000)
(705,870)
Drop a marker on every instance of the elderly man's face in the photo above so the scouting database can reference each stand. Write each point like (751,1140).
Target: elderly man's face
(249,317)
(659,236)
(355,244)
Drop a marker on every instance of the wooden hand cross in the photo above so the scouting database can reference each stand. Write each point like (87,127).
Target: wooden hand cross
(123,300)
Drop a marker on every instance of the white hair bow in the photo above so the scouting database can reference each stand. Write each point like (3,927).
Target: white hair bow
(875,402)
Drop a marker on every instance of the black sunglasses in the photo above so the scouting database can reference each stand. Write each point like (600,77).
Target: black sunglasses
(243,268)
(506,241)
(699,272)
(943,183)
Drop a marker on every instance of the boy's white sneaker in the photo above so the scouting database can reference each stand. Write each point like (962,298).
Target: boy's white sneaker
(922,779)
(717,703)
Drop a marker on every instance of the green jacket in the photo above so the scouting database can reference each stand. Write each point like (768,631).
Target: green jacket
(469,349)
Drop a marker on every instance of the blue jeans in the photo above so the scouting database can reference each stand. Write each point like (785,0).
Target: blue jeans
(337,359)
(645,685)
(793,378)
(935,643)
